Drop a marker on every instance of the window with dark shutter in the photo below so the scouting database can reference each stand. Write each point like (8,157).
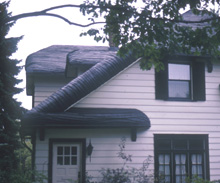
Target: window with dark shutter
(181,81)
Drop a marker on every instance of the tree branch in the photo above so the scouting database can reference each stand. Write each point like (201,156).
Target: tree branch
(44,13)
(105,7)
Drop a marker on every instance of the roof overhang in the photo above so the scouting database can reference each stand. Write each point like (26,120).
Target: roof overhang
(86,118)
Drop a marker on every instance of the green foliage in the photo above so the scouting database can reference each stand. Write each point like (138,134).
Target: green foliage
(10,110)
(197,179)
(119,175)
(24,172)
(21,176)
(155,29)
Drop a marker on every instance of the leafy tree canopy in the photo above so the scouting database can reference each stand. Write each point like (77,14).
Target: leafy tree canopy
(157,28)
(151,29)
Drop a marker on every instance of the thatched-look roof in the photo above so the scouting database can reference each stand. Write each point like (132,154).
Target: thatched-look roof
(63,59)
(56,110)
(88,118)
(53,60)
(83,85)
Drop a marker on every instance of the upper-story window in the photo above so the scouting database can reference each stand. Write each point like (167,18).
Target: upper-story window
(182,81)
(179,81)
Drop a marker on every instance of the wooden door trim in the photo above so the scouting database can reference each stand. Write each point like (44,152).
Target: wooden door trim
(72,140)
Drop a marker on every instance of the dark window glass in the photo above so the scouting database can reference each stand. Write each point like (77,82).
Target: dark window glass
(180,144)
(60,150)
(74,150)
(74,160)
(179,89)
(196,144)
(60,160)
(67,160)
(67,150)
(164,144)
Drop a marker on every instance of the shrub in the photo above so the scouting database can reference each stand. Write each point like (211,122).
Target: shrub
(196,179)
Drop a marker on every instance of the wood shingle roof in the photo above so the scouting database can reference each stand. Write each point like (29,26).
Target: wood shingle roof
(56,110)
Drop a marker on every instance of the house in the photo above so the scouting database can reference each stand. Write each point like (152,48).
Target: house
(85,99)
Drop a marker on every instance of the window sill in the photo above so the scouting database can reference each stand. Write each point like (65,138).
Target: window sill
(179,99)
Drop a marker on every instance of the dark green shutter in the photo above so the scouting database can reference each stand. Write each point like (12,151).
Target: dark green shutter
(198,79)
(161,83)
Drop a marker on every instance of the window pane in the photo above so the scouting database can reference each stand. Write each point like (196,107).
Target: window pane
(180,161)
(180,144)
(200,170)
(196,144)
(67,160)
(196,160)
(179,89)
(67,150)
(164,167)
(180,167)
(180,179)
(60,160)
(74,150)
(74,160)
(167,179)
(179,71)
(164,144)
(59,150)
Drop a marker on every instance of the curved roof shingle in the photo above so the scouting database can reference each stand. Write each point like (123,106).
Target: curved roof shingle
(83,85)
(56,110)
(88,118)
(55,58)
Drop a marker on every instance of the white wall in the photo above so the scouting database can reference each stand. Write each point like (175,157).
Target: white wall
(105,152)
(134,88)
(45,86)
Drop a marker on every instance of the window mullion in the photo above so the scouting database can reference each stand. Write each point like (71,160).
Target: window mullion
(172,167)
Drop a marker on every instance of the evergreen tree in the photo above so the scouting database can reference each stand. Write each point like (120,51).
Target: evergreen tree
(10,110)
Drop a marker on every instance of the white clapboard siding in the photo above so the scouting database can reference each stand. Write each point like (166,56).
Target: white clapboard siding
(134,88)
(45,86)
(166,117)
(105,142)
